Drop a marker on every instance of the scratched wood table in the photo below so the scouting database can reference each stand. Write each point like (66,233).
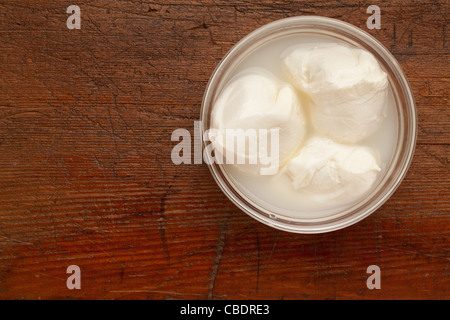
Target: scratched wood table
(86,176)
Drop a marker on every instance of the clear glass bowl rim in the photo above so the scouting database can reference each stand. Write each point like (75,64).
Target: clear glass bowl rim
(407,136)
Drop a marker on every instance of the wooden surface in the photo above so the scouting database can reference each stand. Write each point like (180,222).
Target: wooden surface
(86,176)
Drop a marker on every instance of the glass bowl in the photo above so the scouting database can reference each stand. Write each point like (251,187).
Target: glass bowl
(405,107)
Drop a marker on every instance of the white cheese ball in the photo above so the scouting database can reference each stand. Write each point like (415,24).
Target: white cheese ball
(255,99)
(347,88)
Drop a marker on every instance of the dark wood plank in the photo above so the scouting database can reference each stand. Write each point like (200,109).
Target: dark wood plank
(86,177)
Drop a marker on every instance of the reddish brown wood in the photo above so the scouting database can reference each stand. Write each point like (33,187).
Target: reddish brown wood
(86,177)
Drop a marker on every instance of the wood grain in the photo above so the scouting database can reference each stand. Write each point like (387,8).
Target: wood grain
(86,177)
